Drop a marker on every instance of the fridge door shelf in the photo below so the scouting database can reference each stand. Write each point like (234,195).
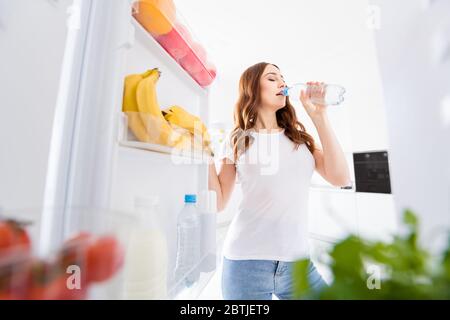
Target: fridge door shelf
(73,260)
(161,21)
(192,154)
(179,291)
(94,246)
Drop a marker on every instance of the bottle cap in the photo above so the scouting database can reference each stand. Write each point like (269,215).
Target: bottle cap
(190,198)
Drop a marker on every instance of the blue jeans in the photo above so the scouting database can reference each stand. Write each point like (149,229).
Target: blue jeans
(259,279)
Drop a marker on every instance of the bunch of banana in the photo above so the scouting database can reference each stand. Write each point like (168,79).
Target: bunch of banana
(174,127)
(159,129)
(130,107)
(145,117)
(179,117)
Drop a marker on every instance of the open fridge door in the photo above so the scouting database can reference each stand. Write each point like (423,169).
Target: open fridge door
(99,163)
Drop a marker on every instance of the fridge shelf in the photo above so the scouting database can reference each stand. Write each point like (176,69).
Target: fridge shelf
(161,22)
(146,41)
(178,291)
(158,151)
(164,154)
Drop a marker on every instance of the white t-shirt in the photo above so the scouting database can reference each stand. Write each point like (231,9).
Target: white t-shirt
(272,221)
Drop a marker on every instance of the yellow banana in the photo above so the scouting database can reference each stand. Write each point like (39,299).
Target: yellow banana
(157,127)
(176,128)
(178,116)
(130,107)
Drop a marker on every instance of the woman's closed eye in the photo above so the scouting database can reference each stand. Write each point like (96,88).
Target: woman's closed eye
(273,80)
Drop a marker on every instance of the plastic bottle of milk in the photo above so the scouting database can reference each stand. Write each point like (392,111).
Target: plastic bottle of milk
(147,258)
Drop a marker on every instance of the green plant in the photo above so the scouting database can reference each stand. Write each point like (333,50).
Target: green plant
(400,269)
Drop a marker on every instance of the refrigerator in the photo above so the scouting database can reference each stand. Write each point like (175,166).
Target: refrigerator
(96,169)
(77,166)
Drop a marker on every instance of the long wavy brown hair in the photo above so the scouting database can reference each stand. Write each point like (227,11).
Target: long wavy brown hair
(246,114)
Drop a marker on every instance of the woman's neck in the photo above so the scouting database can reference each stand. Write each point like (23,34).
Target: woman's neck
(266,121)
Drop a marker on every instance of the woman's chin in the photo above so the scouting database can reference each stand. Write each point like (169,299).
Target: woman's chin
(278,107)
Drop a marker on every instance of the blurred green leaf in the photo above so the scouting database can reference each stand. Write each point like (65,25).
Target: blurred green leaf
(300,274)
(410,219)
(446,261)
(404,269)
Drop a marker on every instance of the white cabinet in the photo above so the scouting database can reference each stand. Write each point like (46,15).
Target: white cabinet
(376,215)
(332,214)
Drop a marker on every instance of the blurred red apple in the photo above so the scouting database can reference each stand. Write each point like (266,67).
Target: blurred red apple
(183,31)
(211,69)
(206,76)
(194,61)
(15,266)
(203,78)
(13,234)
(199,51)
(105,257)
(176,41)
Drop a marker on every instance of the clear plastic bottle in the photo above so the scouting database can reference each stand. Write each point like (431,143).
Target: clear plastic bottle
(334,94)
(146,263)
(188,243)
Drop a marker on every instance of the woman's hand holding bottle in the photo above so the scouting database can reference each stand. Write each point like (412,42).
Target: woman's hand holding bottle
(314,92)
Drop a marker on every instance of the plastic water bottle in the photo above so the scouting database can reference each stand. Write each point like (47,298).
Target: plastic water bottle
(146,262)
(188,243)
(334,94)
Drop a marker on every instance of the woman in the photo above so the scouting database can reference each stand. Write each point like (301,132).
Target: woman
(270,230)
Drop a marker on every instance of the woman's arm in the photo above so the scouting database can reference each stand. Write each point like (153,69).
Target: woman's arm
(330,162)
(222,183)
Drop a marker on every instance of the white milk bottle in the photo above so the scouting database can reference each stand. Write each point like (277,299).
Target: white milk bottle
(147,258)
